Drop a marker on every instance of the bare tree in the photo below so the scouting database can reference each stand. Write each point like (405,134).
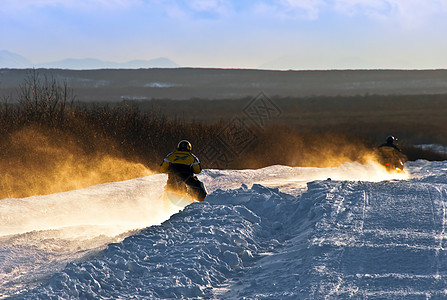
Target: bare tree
(45,99)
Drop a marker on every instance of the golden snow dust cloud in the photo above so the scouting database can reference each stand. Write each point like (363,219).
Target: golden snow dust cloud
(37,163)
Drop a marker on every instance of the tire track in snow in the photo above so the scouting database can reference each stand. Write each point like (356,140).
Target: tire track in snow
(443,222)
(377,232)
(439,237)
(361,223)
(342,207)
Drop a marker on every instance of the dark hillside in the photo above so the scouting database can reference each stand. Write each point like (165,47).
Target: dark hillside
(114,85)
(50,141)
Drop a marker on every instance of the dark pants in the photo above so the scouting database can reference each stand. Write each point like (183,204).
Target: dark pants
(196,187)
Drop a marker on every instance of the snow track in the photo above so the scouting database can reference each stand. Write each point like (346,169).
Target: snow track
(334,239)
(396,253)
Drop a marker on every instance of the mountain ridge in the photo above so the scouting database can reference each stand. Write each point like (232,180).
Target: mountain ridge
(9,59)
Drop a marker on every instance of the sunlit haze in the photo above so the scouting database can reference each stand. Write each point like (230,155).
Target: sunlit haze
(282,34)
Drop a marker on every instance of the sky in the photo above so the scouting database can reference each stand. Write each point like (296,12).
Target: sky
(281,34)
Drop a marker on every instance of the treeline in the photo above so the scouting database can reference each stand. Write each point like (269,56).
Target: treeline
(416,119)
(50,142)
(47,136)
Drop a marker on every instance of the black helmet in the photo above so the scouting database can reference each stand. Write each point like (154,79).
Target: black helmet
(391,139)
(184,145)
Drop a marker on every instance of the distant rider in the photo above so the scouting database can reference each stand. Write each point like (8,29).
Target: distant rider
(391,154)
(181,165)
(390,143)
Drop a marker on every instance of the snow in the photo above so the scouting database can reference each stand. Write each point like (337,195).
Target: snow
(352,231)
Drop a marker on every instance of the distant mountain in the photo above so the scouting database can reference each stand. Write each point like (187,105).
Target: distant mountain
(13,61)
(92,63)
(77,64)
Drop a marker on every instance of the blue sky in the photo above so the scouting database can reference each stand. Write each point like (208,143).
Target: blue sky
(282,34)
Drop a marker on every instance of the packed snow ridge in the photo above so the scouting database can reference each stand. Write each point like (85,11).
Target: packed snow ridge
(273,233)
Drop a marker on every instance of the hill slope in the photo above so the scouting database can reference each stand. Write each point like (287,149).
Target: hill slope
(332,239)
(187,83)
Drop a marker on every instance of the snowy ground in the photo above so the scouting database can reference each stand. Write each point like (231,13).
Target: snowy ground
(275,233)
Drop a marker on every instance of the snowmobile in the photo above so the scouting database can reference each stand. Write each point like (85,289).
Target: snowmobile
(179,193)
(391,159)
(396,165)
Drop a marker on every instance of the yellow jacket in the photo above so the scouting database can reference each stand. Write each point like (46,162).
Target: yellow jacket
(181,161)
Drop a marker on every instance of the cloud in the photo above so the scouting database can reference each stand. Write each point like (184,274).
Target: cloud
(12,5)
(409,13)
(414,13)
(284,9)
(310,8)
(364,7)
(290,9)
(208,5)
(195,9)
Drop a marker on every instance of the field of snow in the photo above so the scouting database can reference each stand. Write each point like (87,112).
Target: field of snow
(353,231)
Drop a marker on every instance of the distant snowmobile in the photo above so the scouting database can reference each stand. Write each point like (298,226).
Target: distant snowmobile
(390,156)
(389,159)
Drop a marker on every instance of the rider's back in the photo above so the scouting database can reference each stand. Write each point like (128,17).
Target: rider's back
(182,163)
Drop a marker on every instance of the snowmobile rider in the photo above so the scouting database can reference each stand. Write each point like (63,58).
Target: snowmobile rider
(181,165)
(391,155)
(390,143)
